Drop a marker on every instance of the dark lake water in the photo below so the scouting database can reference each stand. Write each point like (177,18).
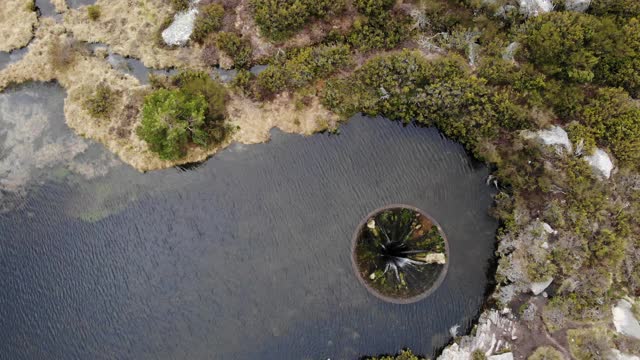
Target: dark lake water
(244,257)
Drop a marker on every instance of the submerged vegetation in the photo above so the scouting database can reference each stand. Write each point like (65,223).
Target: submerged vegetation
(399,254)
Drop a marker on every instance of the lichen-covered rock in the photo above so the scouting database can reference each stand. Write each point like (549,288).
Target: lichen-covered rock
(554,136)
(577,5)
(493,335)
(538,287)
(535,7)
(600,162)
(624,320)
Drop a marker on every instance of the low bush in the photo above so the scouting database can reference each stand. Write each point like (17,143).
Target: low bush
(62,53)
(242,81)
(209,20)
(546,353)
(612,118)
(102,102)
(403,355)
(236,47)
(190,109)
(405,86)
(279,19)
(93,11)
(589,344)
(299,67)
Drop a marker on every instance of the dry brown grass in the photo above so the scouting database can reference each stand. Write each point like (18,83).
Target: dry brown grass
(17,22)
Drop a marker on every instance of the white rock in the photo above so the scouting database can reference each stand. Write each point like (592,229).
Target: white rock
(538,287)
(556,136)
(548,229)
(535,7)
(577,5)
(435,258)
(510,51)
(624,321)
(453,331)
(371,224)
(505,356)
(619,355)
(490,336)
(601,162)
(545,245)
(179,32)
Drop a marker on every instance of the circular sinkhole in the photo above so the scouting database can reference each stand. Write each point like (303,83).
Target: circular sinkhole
(400,253)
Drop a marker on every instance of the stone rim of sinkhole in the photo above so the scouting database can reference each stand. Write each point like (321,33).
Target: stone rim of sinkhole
(400,254)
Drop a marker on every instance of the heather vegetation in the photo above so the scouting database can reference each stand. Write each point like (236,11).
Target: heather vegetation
(102,102)
(299,67)
(208,21)
(279,19)
(236,47)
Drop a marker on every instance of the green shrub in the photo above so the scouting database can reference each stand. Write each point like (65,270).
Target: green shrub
(242,81)
(170,120)
(614,120)
(384,31)
(209,20)
(405,86)
(62,53)
(237,48)
(373,7)
(546,353)
(478,355)
(622,8)
(589,344)
(301,66)
(620,64)
(179,5)
(403,355)
(562,44)
(93,11)
(192,110)
(101,103)
(31,5)
(198,83)
(279,19)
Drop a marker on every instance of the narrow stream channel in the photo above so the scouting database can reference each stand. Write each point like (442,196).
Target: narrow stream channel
(246,256)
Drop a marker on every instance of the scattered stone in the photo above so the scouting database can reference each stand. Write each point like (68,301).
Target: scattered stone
(619,355)
(545,295)
(545,245)
(435,258)
(179,32)
(600,162)
(548,229)
(577,5)
(453,331)
(372,276)
(538,287)
(624,321)
(371,224)
(492,335)
(535,7)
